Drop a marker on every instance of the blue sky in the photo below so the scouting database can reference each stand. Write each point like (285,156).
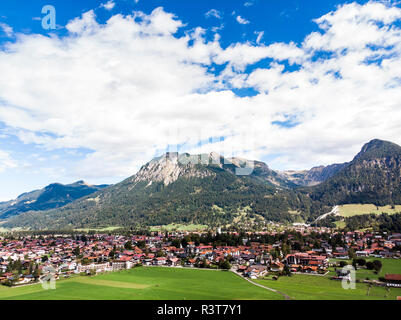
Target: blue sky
(280,20)
(293,83)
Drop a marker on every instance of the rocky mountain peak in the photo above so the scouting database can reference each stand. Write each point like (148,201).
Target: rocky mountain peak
(172,165)
(377,149)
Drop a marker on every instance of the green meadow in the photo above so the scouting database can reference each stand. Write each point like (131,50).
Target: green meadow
(158,283)
(146,283)
(389,266)
(312,287)
(349,210)
(180,227)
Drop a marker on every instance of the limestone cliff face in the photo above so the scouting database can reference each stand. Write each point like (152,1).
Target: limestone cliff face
(210,189)
(171,166)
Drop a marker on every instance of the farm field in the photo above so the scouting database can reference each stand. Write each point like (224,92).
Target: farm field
(179,227)
(146,283)
(349,210)
(311,287)
(154,283)
(97,229)
(389,266)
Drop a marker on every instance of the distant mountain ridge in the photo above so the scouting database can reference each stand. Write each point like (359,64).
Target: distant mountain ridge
(373,176)
(313,176)
(52,196)
(213,190)
(205,188)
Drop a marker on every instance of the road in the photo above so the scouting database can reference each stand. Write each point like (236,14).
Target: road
(286,297)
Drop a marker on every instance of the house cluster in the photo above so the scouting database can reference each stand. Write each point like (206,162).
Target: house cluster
(308,262)
(25,259)
(369,245)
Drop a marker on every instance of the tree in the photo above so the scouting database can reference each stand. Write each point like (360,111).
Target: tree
(351,253)
(287,271)
(76,251)
(141,245)
(112,253)
(377,265)
(128,245)
(225,265)
(36,273)
(176,243)
(361,261)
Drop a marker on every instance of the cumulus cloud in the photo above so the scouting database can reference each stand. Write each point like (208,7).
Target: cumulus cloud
(108,5)
(8,31)
(6,162)
(128,88)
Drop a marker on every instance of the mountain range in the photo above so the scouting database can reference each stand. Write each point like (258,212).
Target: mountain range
(52,196)
(213,190)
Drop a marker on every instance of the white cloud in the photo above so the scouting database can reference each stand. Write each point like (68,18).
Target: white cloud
(248,4)
(241,20)
(240,55)
(108,5)
(213,13)
(128,88)
(6,29)
(354,26)
(6,162)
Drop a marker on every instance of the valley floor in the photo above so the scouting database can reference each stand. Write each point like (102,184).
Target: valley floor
(147,283)
(163,283)
(315,287)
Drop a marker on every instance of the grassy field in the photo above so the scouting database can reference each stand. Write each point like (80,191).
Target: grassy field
(97,229)
(142,283)
(156,283)
(389,266)
(349,210)
(179,227)
(312,287)
(340,224)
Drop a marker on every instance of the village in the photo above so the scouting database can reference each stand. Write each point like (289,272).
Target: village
(25,259)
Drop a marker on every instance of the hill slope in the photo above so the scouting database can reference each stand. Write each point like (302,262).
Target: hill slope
(52,196)
(209,189)
(206,189)
(314,176)
(373,176)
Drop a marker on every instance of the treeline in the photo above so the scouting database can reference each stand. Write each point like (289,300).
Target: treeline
(383,222)
(290,239)
(214,201)
(372,177)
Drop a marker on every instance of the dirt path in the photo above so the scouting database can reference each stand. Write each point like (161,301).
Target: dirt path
(286,297)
